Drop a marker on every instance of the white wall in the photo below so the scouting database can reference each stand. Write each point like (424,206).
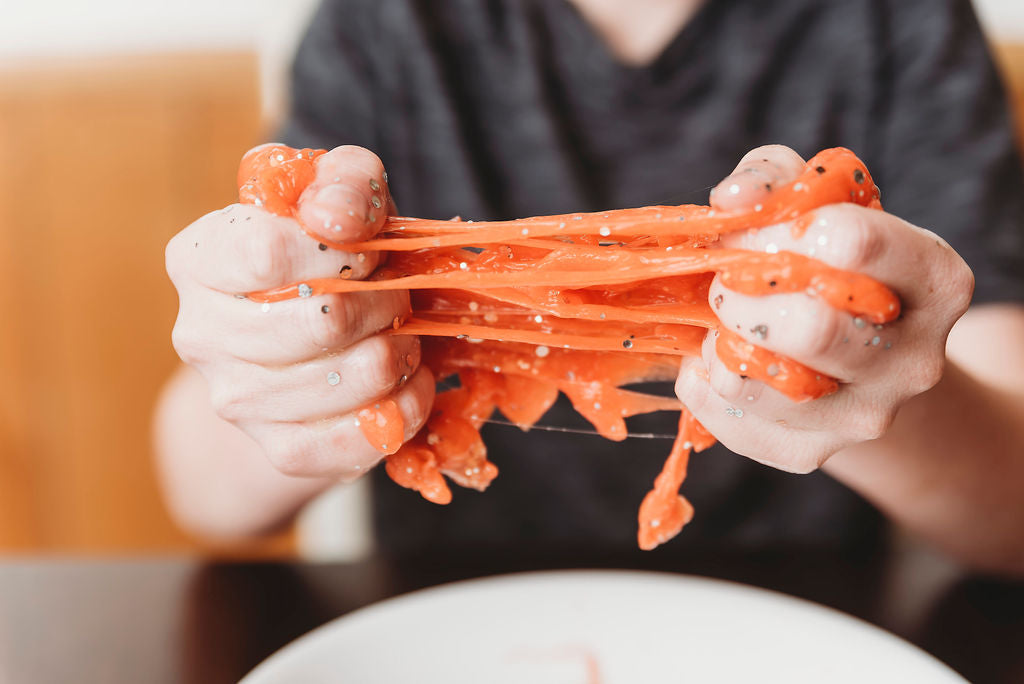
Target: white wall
(1003,19)
(75,27)
(61,27)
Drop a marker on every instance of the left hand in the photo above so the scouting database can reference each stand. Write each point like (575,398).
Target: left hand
(879,367)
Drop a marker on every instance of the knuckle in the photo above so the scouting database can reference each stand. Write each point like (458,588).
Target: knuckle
(186,342)
(809,457)
(802,465)
(928,373)
(423,401)
(265,255)
(380,361)
(960,287)
(819,336)
(874,424)
(228,402)
(333,329)
(693,391)
(175,260)
(724,382)
(856,239)
(289,460)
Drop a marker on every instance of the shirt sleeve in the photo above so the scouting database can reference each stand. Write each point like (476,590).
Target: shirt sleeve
(331,101)
(949,159)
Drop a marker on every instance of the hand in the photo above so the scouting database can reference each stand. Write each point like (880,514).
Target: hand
(291,374)
(879,367)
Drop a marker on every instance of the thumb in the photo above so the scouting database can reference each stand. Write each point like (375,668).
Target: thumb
(348,199)
(759,172)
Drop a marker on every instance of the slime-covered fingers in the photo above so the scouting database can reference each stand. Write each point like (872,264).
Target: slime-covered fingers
(580,304)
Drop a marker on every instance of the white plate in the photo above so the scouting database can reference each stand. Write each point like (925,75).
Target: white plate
(586,627)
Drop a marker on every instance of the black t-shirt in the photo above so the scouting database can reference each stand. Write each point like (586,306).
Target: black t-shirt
(491,109)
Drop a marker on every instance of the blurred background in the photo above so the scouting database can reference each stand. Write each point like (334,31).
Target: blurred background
(121,121)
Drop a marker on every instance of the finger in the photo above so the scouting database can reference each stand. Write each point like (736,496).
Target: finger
(808,330)
(337,447)
(754,397)
(756,176)
(767,441)
(284,332)
(912,261)
(349,199)
(328,386)
(244,249)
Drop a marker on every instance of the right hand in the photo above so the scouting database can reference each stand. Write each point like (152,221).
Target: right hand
(270,368)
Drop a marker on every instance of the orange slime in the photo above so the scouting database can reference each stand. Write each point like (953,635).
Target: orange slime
(581,304)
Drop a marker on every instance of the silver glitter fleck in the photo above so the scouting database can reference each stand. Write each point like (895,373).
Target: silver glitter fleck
(605,231)
(538,319)
(888,345)
(735,412)
(266,307)
(771,248)
(374,185)
(464,266)
(496,369)
(305,290)
(876,340)
(743,368)
(772,370)
(750,397)
(760,331)
(758,207)
(360,257)
(822,240)
(333,378)
(375,201)
(542,351)
(858,322)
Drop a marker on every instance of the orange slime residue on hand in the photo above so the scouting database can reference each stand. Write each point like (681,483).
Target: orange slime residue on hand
(581,304)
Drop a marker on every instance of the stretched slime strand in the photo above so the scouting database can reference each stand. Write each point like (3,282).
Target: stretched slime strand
(580,304)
